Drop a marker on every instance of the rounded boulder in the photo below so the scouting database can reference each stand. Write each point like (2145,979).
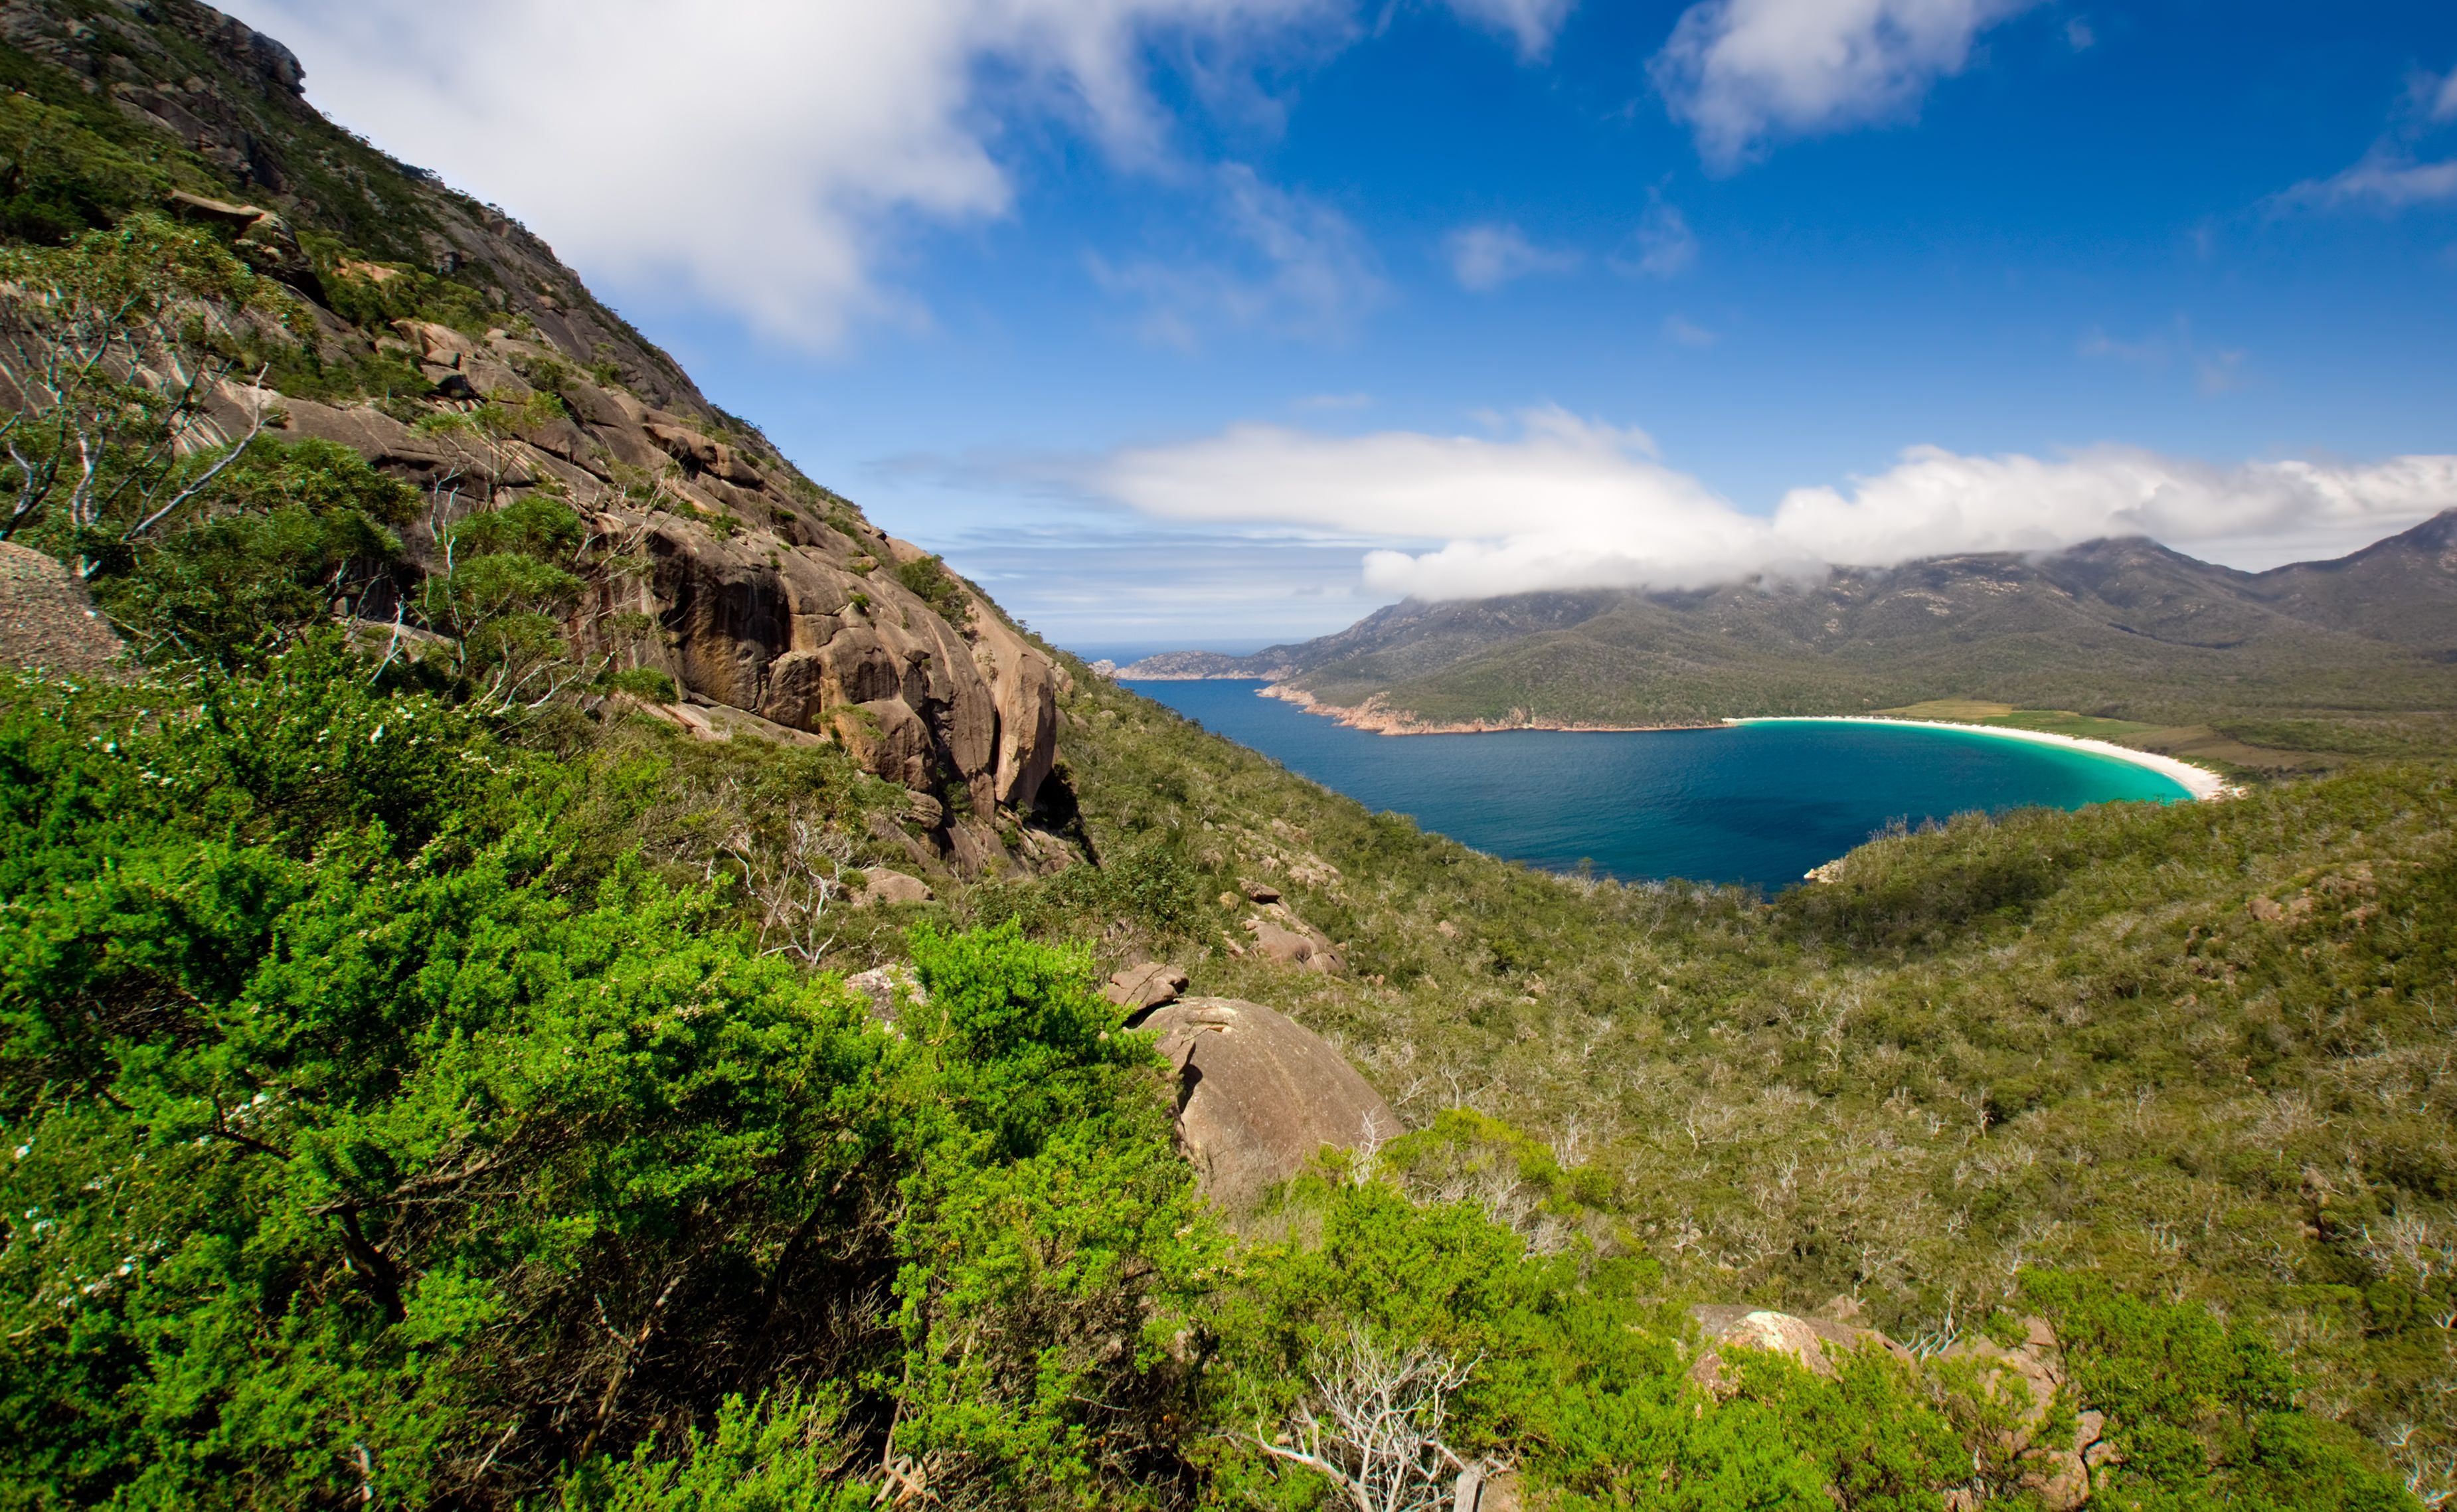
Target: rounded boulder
(1260,1094)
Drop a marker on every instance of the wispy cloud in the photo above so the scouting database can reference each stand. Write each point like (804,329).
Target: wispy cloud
(1744,73)
(1532,24)
(1296,267)
(2386,178)
(1662,247)
(1690,333)
(2395,172)
(2215,371)
(1107,581)
(1560,502)
(1486,256)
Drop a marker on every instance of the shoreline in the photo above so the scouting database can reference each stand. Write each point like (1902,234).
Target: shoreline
(1372,716)
(2204,784)
(2201,784)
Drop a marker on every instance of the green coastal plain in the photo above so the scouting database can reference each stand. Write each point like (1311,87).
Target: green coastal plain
(437,1069)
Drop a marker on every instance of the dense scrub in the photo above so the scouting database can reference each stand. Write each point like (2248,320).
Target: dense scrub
(2197,1051)
(403,1107)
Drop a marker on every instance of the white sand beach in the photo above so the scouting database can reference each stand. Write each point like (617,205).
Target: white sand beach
(2200,782)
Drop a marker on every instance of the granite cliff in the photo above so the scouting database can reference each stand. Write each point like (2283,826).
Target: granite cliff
(450,347)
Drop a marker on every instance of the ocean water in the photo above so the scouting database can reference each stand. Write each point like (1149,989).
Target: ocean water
(1756,804)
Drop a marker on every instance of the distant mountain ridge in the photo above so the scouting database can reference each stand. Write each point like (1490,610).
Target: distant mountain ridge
(2123,627)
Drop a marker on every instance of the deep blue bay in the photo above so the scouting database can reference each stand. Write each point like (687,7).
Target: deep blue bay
(1759,803)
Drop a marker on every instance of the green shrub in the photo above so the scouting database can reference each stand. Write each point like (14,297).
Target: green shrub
(2204,1414)
(646,683)
(287,533)
(927,579)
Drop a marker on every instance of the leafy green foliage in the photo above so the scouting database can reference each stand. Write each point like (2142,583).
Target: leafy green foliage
(381,1131)
(645,682)
(2203,1414)
(392,1139)
(60,180)
(286,534)
(1053,1239)
(118,346)
(927,579)
(1152,884)
(787,1455)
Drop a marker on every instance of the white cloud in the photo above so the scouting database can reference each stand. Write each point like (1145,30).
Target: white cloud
(1532,24)
(2078,35)
(2444,104)
(1301,270)
(1662,247)
(2253,515)
(758,154)
(1487,255)
(2386,179)
(1564,503)
(1743,72)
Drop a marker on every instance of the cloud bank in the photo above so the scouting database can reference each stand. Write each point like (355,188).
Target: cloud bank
(766,157)
(1744,73)
(1565,503)
(755,155)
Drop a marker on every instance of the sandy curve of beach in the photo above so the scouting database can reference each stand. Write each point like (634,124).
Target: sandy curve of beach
(2200,782)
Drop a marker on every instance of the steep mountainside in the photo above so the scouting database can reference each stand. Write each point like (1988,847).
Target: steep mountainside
(2398,590)
(2121,627)
(449,347)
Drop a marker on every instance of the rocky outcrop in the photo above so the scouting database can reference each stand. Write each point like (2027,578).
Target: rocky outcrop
(47,622)
(880,885)
(1811,1343)
(2025,1376)
(889,989)
(1281,935)
(761,592)
(757,606)
(1151,986)
(1259,1095)
(761,602)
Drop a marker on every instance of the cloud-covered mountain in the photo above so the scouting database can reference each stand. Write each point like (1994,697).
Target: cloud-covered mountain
(2125,627)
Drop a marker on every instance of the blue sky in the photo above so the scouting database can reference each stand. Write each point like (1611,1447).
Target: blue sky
(1211,322)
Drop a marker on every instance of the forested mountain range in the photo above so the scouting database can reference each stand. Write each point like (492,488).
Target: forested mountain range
(2348,651)
(546,961)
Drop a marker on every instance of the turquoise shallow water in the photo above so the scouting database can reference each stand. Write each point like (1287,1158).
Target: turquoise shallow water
(1757,803)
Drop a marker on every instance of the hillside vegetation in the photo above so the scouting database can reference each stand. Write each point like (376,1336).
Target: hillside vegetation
(435,1074)
(408,1101)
